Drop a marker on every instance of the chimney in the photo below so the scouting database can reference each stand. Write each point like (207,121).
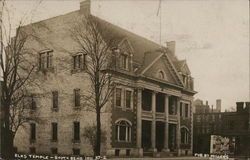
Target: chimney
(171,46)
(85,7)
(239,106)
(247,106)
(218,105)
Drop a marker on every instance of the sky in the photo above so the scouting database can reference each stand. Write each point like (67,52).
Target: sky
(212,35)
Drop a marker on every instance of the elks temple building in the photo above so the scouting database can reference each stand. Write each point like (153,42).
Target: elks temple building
(151,109)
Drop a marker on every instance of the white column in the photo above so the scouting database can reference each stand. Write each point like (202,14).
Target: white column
(178,133)
(166,148)
(139,122)
(153,127)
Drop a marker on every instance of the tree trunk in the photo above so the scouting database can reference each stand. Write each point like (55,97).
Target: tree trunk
(8,145)
(8,135)
(98,132)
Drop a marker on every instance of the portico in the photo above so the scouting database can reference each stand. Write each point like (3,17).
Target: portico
(158,127)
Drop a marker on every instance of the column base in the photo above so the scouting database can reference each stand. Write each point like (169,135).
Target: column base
(139,152)
(165,150)
(153,150)
(179,152)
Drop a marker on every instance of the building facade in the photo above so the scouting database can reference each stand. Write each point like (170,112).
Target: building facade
(149,113)
(233,127)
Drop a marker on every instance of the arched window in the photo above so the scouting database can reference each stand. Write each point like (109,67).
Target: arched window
(123,131)
(161,75)
(184,136)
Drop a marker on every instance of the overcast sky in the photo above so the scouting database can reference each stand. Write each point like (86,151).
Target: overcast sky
(212,35)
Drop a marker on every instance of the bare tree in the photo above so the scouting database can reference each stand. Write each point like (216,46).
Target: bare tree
(88,33)
(16,77)
(90,134)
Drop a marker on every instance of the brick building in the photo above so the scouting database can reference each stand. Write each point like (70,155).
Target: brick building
(232,125)
(150,111)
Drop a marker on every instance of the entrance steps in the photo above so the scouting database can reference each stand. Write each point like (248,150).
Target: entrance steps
(159,154)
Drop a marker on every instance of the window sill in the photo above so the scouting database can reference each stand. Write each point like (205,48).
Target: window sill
(77,107)
(54,109)
(75,141)
(54,141)
(122,141)
(32,141)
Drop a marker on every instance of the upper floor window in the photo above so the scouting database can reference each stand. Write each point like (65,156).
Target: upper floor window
(128,99)
(161,75)
(118,97)
(186,111)
(123,131)
(46,59)
(32,103)
(55,99)
(77,97)
(79,61)
(124,61)
(198,118)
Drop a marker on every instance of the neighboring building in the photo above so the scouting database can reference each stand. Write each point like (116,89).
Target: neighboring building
(151,109)
(234,127)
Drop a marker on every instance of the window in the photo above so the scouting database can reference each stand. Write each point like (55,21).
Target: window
(198,118)
(186,110)
(32,150)
(54,131)
(79,61)
(160,102)
(55,99)
(124,61)
(32,103)
(77,97)
(32,131)
(54,150)
(246,125)
(181,107)
(117,152)
(184,136)
(172,105)
(128,99)
(118,96)
(45,60)
(161,75)
(146,100)
(76,131)
(231,125)
(123,131)
(76,151)
(127,152)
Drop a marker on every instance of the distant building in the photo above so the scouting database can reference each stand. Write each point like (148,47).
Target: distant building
(234,126)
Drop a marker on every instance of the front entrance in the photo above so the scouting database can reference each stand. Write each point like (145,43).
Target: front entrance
(146,135)
(160,126)
(172,137)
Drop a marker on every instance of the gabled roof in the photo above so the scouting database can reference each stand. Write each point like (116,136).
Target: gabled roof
(139,44)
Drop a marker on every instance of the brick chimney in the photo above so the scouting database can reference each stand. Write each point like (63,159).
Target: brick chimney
(218,105)
(247,106)
(239,106)
(85,7)
(171,46)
